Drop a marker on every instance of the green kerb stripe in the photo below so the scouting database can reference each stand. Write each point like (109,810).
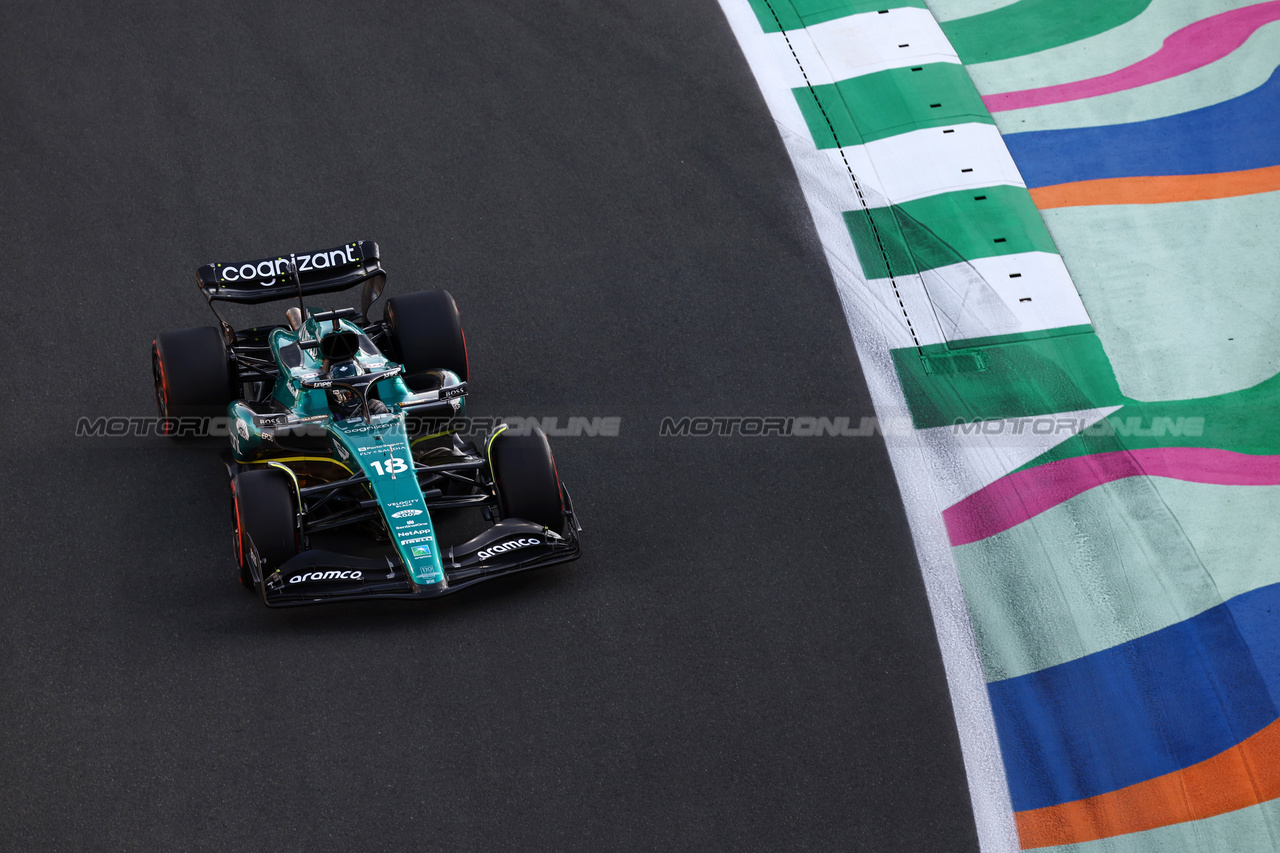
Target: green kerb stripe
(1022,377)
(794,14)
(1029,26)
(945,229)
(886,103)
(996,340)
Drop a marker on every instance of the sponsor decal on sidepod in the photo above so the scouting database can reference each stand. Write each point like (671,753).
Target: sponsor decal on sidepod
(509,545)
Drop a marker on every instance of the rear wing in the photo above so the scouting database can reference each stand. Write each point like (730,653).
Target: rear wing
(270,279)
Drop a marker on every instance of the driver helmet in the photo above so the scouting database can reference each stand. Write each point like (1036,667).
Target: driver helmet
(343,401)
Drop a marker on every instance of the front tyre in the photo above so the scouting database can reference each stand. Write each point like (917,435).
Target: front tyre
(192,373)
(264,509)
(528,485)
(426,334)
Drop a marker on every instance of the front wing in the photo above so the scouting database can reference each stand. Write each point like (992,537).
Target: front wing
(319,577)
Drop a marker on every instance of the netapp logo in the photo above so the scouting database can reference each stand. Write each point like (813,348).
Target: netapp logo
(279,267)
(405,513)
(504,547)
(327,576)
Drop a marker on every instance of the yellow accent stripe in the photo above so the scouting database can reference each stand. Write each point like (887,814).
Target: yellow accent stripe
(309,459)
(297,489)
(433,435)
(488,448)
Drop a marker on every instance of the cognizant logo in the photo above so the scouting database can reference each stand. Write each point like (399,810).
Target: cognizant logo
(271,269)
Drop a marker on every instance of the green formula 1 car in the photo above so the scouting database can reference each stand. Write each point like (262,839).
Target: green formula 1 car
(334,491)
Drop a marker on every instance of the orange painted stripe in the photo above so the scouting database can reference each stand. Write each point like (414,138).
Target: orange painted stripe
(1245,775)
(1159,189)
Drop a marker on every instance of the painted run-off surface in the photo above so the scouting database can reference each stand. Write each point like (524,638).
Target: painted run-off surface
(1233,76)
(1090,579)
(1144,553)
(1249,830)
(1230,136)
(1169,699)
(1031,26)
(1190,48)
(1158,189)
(832,124)
(1103,52)
(1184,295)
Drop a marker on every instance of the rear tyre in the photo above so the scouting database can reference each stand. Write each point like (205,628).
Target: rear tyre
(525,473)
(426,334)
(264,509)
(192,373)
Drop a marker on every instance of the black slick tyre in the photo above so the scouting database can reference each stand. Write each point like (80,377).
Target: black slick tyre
(264,509)
(426,334)
(192,372)
(524,472)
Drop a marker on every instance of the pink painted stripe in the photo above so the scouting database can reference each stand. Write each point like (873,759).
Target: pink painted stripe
(1025,494)
(1189,48)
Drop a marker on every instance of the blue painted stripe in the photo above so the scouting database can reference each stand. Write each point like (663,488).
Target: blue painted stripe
(1238,134)
(1148,707)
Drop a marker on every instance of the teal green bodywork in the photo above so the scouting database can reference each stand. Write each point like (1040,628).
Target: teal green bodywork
(355,444)
(384,440)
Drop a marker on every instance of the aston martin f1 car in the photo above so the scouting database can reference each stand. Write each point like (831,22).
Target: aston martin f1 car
(334,491)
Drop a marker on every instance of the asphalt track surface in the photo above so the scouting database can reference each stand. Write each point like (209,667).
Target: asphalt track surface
(743,659)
